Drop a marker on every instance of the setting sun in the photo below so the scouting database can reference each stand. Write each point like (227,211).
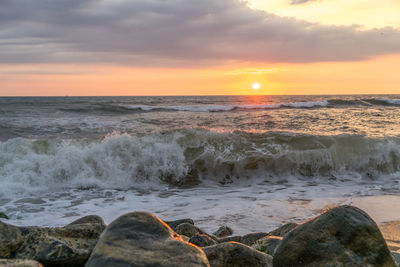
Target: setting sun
(256,86)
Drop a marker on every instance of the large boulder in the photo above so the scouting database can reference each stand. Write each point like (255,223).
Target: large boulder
(70,245)
(233,254)
(343,236)
(142,239)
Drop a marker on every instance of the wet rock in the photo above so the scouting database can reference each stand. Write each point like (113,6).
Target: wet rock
(283,230)
(185,238)
(249,239)
(142,239)
(19,263)
(223,231)
(234,254)
(10,239)
(343,236)
(174,224)
(202,240)
(267,244)
(236,238)
(62,246)
(93,219)
(189,230)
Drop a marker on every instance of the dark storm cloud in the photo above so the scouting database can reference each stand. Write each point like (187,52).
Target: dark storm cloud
(174,32)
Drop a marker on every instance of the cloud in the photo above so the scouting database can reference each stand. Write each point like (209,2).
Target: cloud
(298,2)
(174,33)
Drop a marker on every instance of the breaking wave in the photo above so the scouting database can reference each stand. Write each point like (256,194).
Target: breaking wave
(192,156)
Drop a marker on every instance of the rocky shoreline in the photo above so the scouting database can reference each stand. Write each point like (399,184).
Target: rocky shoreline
(342,236)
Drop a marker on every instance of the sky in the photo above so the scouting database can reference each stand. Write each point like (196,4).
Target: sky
(207,47)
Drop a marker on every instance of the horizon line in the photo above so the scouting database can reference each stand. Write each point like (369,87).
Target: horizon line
(4,96)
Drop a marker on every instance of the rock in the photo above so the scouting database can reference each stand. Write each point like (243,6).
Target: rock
(58,253)
(70,245)
(185,238)
(249,239)
(174,224)
(223,231)
(19,263)
(189,230)
(142,239)
(202,240)
(93,219)
(233,254)
(283,230)
(237,238)
(10,239)
(396,257)
(3,215)
(267,244)
(343,236)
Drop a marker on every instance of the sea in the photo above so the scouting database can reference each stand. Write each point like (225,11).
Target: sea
(249,162)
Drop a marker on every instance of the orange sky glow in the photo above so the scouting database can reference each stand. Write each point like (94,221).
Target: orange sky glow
(376,76)
(372,74)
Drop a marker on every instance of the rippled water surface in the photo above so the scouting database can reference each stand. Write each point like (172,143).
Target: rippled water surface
(219,159)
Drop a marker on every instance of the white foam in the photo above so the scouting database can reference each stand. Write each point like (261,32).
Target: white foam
(122,161)
(193,108)
(259,208)
(119,161)
(307,104)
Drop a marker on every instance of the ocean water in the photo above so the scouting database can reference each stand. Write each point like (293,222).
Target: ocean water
(251,162)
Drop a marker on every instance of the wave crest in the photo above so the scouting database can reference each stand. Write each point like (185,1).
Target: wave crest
(190,157)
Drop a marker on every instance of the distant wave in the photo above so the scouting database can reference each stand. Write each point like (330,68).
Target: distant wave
(395,102)
(215,108)
(190,157)
(125,108)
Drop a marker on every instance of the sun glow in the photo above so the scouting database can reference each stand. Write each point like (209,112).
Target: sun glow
(256,86)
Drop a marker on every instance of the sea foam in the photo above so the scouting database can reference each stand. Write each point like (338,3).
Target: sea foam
(193,156)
